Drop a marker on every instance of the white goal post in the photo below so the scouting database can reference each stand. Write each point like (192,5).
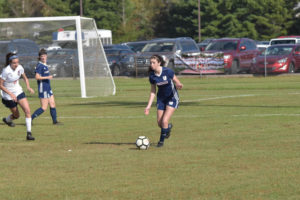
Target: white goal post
(74,50)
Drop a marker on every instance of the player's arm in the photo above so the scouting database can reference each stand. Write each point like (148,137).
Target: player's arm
(151,98)
(40,78)
(4,89)
(178,84)
(27,83)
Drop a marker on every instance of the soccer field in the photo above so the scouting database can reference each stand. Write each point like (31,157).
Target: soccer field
(233,138)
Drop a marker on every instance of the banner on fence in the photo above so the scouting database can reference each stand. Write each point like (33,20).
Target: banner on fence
(202,63)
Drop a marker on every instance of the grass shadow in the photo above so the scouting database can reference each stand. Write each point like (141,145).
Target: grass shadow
(113,103)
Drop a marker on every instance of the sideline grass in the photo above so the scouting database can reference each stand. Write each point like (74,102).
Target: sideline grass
(233,138)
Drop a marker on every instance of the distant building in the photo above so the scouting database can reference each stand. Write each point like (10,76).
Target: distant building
(89,38)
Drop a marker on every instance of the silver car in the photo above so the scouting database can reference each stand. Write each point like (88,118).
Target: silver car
(167,48)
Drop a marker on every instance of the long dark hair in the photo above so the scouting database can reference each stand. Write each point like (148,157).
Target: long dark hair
(10,54)
(42,52)
(159,59)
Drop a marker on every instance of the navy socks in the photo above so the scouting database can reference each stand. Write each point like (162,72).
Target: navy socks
(37,113)
(53,115)
(163,134)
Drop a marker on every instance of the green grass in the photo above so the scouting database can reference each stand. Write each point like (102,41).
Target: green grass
(233,138)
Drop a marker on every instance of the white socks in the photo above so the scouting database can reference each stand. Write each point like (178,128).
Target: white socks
(28,124)
(8,118)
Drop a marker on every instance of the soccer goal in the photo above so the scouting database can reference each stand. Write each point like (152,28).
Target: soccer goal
(75,53)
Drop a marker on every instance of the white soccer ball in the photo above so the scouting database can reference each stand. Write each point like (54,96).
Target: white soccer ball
(142,142)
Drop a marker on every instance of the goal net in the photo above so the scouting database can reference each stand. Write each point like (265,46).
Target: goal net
(76,57)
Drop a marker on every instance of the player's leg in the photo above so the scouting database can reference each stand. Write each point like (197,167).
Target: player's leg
(44,105)
(25,106)
(165,130)
(53,110)
(14,110)
(160,114)
(161,106)
(167,116)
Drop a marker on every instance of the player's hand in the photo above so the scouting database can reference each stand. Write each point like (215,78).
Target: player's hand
(50,77)
(179,86)
(147,110)
(31,90)
(14,98)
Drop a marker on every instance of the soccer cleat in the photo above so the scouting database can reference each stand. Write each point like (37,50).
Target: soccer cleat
(58,123)
(170,126)
(29,136)
(160,144)
(11,124)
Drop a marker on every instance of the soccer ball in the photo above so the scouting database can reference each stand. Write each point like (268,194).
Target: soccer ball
(142,143)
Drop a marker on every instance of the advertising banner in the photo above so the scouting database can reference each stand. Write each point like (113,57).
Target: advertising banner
(200,63)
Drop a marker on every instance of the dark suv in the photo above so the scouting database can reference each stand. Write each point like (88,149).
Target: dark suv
(238,53)
(121,61)
(166,47)
(26,49)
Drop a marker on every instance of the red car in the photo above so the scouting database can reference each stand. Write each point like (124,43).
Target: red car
(278,58)
(238,53)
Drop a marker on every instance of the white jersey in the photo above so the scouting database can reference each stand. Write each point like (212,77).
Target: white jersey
(11,81)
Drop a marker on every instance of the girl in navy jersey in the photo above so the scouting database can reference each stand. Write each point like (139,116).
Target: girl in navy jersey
(12,92)
(43,78)
(167,95)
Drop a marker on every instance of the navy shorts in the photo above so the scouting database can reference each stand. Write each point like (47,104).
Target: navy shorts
(162,104)
(11,103)
(45,94)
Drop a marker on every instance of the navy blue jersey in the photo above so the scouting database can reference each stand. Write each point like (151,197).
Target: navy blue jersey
(164,82)
(43,71)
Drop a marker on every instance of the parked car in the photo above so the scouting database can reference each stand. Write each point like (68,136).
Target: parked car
(136,46)
(262,45)
(116,46)
(26,49)
(202,45)
(278,58)
(238,53)
(121,61)
(293,39)
(166,47)
(63,62)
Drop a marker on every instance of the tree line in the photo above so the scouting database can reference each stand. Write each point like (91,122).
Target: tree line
(132,20)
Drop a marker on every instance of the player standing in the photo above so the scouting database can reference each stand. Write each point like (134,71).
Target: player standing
(12,92)
(167,95)
(43,77)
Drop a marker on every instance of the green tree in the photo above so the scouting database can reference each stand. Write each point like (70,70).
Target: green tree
(233,18)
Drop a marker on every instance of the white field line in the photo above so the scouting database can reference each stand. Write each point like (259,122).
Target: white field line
(176,116)
(269,115)
(221,97)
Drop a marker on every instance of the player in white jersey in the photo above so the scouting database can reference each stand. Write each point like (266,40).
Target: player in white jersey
(12,92)
(167,95)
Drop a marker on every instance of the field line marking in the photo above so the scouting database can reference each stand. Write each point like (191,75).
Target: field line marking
(267,115)
(175,116)
(220,97)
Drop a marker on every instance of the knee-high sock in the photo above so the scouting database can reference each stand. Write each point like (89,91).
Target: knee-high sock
(53,114)
(163,134)
(28,124)
(37,113)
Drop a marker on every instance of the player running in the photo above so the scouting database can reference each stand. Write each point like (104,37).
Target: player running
(12,92)
(167,95)
(43,77)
